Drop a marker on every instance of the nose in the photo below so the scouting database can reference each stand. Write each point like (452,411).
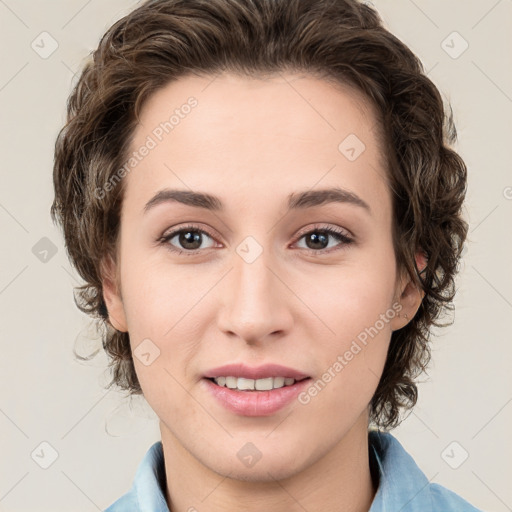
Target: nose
(255,302)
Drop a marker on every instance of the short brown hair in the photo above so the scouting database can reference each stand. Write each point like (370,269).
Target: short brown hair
(339,40)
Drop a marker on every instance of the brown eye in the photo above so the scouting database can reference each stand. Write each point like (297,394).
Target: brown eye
(318,239)
(187,239)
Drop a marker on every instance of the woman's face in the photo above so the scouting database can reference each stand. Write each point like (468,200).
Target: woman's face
(258,280)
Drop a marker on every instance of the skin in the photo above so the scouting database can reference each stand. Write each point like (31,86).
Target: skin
(251,143)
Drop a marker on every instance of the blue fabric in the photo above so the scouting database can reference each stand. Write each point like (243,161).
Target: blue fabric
(403,487)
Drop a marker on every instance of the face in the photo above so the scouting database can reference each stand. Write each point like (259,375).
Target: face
(268,276)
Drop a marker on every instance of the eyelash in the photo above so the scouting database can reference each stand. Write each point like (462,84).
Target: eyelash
(336,233)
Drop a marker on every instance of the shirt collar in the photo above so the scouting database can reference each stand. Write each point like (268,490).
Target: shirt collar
(402,484)
(150,481)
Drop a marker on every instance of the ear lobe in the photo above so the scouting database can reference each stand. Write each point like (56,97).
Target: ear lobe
(421,263)
(112,294)
(411,296)
(421,260)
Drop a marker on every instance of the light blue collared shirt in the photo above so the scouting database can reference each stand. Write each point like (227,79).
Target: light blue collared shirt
(403,487)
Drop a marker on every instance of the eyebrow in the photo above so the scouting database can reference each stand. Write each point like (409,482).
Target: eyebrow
(296,200)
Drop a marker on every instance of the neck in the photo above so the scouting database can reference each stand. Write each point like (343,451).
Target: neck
(339,480)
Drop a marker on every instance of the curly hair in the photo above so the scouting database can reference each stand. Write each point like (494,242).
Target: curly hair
(343,41)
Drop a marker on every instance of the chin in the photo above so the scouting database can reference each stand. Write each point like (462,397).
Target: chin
(247,463)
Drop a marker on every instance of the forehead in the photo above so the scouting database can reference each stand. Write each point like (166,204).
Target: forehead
(279,105)
(229,132)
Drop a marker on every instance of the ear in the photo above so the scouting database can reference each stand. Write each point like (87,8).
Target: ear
(409,296)
(112,294)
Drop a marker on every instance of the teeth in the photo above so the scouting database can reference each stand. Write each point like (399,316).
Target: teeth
(244,384)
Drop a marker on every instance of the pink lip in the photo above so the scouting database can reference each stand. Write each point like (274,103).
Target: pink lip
(255,403)
(259,372)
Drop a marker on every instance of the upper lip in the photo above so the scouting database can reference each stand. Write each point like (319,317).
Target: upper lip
(259,372)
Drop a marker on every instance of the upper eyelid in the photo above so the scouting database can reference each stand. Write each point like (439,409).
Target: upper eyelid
(174,231)
(319,227)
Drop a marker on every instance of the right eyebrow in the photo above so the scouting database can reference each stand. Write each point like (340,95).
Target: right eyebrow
(187,197)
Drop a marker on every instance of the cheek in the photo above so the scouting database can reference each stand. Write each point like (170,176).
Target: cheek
(164,305)
(356,304)
(155,297)
(348,298)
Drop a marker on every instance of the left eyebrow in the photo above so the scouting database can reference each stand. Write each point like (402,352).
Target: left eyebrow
(296,200)
(311,198)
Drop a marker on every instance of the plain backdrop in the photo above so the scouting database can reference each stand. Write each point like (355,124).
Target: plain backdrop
(54,410)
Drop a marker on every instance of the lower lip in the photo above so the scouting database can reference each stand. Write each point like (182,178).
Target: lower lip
(255,403)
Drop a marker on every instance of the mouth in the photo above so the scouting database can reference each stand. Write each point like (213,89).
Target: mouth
(254,385)
(254,397)
(258,373)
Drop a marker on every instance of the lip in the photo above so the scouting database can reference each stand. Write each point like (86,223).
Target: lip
(259,372)
(254,403)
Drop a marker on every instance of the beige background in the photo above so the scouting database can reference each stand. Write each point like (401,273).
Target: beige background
(47,396)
